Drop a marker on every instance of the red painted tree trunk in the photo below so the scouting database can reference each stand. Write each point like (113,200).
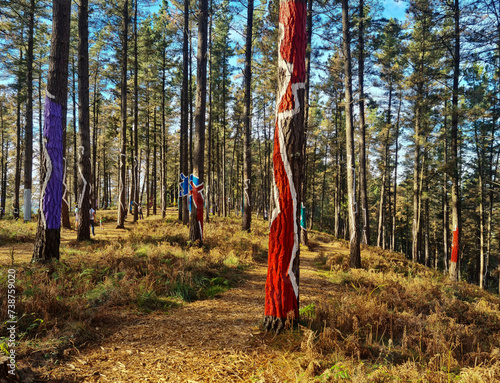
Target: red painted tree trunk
(282,285)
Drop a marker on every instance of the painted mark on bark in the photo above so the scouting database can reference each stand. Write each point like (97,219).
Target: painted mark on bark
(122,207)
(64,184)
(51,194)
(81,149)
(281,285)
(184,186)
(48,174)
(198,201)
(247,185)
(454,246)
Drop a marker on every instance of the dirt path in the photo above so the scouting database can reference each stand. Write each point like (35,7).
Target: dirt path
(205,341)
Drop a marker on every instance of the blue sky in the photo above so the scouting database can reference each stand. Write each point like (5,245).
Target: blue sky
(395,9)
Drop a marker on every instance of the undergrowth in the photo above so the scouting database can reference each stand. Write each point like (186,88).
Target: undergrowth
(393,320)
(12,231)
(152,268)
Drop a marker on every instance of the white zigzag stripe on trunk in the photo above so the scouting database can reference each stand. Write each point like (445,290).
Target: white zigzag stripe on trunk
(48,164)
(64,183)
(247,185)
(80,200)
(288,70)
(122,183)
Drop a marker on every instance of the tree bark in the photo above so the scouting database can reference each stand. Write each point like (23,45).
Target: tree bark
(362,145)
(28,133)
(84,164)
(75,138)
(446,235)
(455,198)
(303,218)
(480,170)
(65,208)
(47,238)
(148,152)
(209,189)
(135,167)
(17,176)
(155,147)
(247,152)
(184,211)
(122,208)
(5,161)
(396,150)
(196,225)
(282,285)
(355,258)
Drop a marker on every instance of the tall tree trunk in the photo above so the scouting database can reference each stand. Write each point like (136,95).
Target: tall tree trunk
(28,133)
(362,144)
(48,234)
(455,193)
(75,138)
(17,176)
(416,182)
(396,150)
(446,224)
(355,258)
(282,285)
(66,205)
(148,152)
(122,208)
(478,141)
(5,161)
(381,219)
(196,225)
(184,211)
(492,177)
(323,185)
(163,139)
(65,208)
(224,180)
(303,218)
(338,176)
(135,167)
(190,90)
(155,147)
(209,188)
(84,165)
(94,189)
(247,152)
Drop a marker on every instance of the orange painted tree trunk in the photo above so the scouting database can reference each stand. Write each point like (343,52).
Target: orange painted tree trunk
(282,285)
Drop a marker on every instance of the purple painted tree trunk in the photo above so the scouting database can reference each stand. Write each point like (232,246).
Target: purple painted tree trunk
(48,230)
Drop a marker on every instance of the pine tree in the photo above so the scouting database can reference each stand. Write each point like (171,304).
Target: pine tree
(48,228)
(282,285)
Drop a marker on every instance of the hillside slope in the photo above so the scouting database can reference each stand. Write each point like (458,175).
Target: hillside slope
(148,307)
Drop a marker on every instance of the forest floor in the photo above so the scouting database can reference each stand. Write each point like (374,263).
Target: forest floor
(389,321)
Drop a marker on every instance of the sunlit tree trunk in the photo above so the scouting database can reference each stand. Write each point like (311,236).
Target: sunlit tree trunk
(197,209)
(362,145)
(135,161)
(48,234)
(122,208)
(455,193)
(209,188)
(183,210)
(396,151)
(282,285)
(28,133)
(84,166)
(247,153)
(355,258)
(19,145)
